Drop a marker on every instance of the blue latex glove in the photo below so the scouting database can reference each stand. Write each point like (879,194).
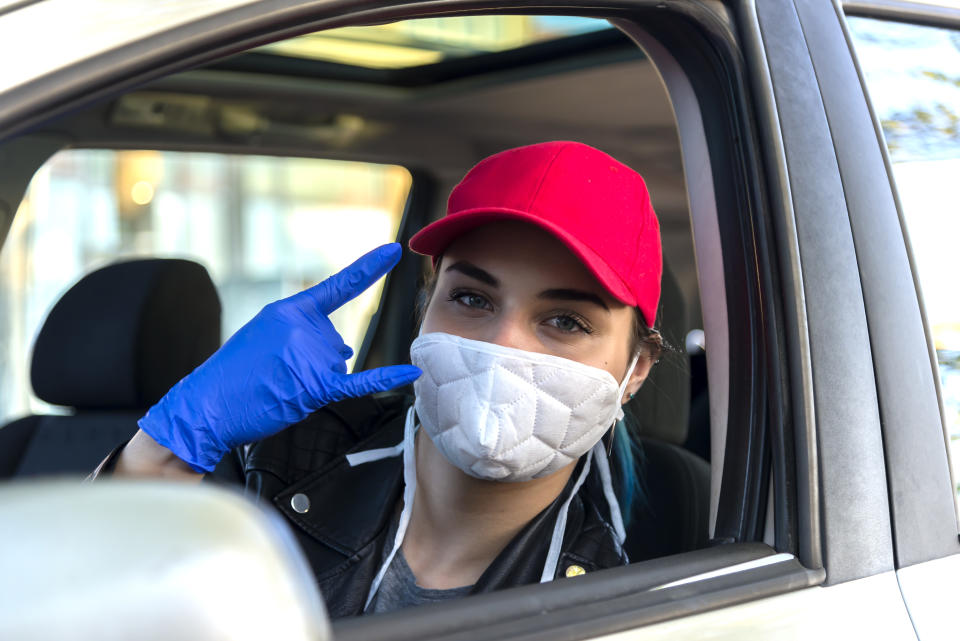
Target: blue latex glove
(276,370)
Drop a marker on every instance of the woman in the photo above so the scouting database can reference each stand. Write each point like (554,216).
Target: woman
(535,330)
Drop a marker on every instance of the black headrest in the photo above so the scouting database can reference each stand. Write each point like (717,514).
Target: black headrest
(123,335)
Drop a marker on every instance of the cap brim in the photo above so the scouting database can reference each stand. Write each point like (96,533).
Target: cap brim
(434,239)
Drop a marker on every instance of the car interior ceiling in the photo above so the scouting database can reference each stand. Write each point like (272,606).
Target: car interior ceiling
(602,92)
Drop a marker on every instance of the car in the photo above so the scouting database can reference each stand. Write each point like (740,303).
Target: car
(801,156)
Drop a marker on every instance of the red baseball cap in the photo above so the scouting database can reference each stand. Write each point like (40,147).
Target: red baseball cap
(597,206)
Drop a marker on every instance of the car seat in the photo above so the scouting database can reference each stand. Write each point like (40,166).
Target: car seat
(108,350)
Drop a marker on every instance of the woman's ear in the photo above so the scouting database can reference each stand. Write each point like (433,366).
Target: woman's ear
(639,374)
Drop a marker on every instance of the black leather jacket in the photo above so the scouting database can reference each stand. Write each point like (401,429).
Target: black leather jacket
(343,513)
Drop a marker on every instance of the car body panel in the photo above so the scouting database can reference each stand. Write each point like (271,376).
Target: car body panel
(69,24)
(854,509)
(930,591)
(869,608)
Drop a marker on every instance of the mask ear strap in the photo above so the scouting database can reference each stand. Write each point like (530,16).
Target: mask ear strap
(623,385)
(409,490)
(610,435)
(603,467)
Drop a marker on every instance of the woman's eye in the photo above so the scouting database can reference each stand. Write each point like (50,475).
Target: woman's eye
(470,299)
(569,324)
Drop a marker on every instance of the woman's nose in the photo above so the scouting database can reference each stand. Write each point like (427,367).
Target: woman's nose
(509,331)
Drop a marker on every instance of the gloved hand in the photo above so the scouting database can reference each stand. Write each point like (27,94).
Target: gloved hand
(284,364)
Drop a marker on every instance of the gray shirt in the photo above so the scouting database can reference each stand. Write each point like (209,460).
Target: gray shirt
(399,587)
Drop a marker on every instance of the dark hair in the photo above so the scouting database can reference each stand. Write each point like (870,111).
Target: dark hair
(645,338)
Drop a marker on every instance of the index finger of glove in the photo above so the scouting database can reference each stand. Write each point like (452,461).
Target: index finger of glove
(346,284)
(371,381)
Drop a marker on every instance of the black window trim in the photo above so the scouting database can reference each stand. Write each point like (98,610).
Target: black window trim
(802,448)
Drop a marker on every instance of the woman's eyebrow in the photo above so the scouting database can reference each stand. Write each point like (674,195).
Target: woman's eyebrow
(573,294)
(473,271)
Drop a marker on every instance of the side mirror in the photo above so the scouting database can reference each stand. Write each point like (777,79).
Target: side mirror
(146,560)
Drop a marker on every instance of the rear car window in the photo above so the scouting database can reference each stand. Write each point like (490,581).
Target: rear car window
(913,75)
(264,227)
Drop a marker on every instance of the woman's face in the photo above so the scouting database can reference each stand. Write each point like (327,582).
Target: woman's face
(515,285)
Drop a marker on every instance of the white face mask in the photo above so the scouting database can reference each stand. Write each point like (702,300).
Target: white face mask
(504,414)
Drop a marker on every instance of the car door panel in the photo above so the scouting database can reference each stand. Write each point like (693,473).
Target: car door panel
(868,608)
(930,592)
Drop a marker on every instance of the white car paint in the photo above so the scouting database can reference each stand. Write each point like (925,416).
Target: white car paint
(814,613)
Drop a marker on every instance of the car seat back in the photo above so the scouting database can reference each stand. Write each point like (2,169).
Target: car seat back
(108,350)
(672,515)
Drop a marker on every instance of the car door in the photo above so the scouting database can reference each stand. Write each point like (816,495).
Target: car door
(829,470)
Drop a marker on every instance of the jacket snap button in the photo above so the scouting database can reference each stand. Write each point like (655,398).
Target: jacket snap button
(301,504)
(574,570)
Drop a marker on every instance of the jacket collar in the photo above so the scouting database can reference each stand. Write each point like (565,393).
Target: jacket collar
(349,506)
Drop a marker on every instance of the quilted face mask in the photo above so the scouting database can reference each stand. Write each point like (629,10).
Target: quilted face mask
(504,414)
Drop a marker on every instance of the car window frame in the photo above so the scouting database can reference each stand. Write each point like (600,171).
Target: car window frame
(393,326)
(842,421)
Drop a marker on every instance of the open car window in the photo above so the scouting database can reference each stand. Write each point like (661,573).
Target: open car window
(265,227)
